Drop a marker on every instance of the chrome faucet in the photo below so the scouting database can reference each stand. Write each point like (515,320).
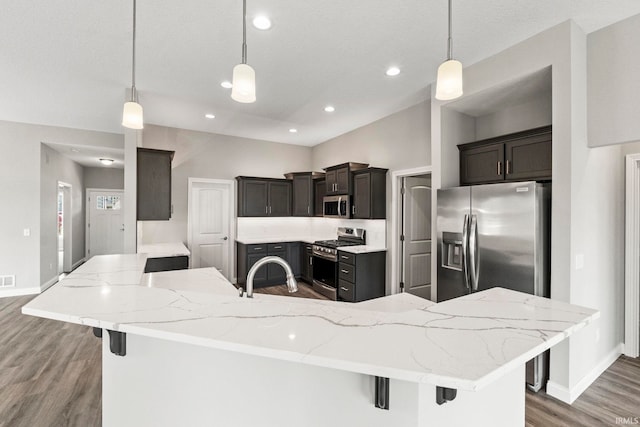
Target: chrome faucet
(292,284)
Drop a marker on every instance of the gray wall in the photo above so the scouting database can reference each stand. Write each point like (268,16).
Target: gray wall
(614,87)
(106,177)
(20,175)
(205,155)
(399,141)
(55,167)
(531,114)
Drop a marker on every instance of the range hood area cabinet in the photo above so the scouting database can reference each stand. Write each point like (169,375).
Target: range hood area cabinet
(521,156)
(258,197)
(369,194)
(338,179)
(153,184)
(305,192)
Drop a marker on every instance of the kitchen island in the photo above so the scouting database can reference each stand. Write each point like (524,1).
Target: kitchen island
(181,348)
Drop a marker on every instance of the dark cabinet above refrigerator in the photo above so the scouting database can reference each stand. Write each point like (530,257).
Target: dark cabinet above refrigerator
(521,156)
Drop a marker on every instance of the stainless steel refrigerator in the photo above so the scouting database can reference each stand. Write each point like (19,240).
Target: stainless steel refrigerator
(496,235)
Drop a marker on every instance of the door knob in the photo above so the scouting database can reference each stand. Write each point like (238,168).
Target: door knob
(225,238)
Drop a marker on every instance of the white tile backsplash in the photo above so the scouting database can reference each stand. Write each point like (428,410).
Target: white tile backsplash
(315,228)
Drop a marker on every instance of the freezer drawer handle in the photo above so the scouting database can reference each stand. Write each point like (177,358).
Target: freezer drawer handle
(382,393)
(473,253)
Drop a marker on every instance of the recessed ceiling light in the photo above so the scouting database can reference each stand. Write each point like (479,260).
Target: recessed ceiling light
(293,130)
(262,22)
(329,109)
(75,150)
(210,116)
(106,162)
(226,84)
(392,71)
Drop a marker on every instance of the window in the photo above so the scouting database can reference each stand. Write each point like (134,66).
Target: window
(108,203)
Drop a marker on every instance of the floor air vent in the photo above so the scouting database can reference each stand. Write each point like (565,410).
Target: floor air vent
(7,281)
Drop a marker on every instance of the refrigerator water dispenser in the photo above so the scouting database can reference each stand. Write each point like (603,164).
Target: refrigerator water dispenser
(452,250)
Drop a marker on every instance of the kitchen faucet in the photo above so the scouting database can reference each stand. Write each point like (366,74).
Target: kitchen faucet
(292,284)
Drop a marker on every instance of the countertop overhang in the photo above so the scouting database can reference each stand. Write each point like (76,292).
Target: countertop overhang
(465,343)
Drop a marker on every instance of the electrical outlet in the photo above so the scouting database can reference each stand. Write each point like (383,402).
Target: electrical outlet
(597,334)
(50,266)
(26,232)
(579,262)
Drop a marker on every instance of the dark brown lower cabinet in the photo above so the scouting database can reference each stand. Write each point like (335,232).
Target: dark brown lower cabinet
(307,263)
(269,274)
(361,276)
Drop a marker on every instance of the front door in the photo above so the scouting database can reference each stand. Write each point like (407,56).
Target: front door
(210,225)
(105,227)
(416,262)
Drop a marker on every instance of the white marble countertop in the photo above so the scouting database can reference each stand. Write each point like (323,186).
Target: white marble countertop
(464,343)
(162,250)
(361,249)
(260,240)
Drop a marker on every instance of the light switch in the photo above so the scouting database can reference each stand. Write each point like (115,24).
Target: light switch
(579,262)
(26,232)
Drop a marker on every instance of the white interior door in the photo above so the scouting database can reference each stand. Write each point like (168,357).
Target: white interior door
(210,225)
(105,226)
(416,263)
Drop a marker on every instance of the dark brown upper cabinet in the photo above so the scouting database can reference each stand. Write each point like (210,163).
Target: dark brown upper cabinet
(521,156)
(263,196)
(338,178)
(153,184)
(320,191)
(369,194)
(304,189)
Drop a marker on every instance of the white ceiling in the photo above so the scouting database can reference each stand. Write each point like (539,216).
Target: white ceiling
(68,62)
(90,156)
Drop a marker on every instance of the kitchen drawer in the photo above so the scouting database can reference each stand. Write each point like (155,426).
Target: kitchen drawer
(346,291)
(275,247)
(257,249)
(347,272)
(347,257)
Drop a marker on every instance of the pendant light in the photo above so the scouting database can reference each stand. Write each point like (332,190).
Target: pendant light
(244,77)
(449,82)
(132,112)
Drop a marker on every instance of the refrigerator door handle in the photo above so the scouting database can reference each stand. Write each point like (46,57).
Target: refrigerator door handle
(473,253)
(465,252)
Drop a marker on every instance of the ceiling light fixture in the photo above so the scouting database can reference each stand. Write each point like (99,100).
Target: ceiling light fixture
(293,130)
(106,162)
(329,108)
(226,84)
(244,77)
(210,116)
(449,82)
(262,22)
(392,71)
(132,111)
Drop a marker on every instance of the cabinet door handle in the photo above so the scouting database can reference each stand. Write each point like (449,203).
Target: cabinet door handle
(277,247)
(257,249)
(344,257)
(344,289)
(499,168)
(266,209)
(353,210)
(308,209)
(507,167)
(310,261)
(345,271)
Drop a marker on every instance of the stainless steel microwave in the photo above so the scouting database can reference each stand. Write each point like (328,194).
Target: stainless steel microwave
(336,206)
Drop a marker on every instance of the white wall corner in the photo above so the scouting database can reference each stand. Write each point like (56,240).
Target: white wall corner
(569,396)
(46,285)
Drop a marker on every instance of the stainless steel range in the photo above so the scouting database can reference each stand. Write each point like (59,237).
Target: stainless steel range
(325,259)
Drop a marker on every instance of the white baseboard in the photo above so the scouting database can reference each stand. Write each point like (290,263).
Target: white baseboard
(14,292)
(78,263)
(569,396)
(46,285)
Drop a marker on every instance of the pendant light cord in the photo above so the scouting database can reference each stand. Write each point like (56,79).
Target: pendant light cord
(449,40)
(244,31)
(134,95)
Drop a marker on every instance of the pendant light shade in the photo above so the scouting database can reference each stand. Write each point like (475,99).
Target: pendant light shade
(449,81)
(244,84)
(244,77)
(449,84)
(132,116)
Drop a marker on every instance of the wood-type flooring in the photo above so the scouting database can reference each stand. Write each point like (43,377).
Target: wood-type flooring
(50,376)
